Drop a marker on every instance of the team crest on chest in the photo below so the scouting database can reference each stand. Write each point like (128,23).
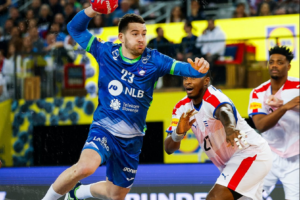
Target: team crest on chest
(145,59)
(115,54)
(141,70)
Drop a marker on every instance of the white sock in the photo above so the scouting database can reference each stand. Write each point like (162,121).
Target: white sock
(83,192)
(51,194)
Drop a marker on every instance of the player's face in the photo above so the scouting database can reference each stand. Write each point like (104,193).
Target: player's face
(194,86)
(278,66)
(134,38)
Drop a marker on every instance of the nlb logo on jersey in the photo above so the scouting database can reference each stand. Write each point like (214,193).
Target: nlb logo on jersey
(115,104)
(115,88)
(255,105)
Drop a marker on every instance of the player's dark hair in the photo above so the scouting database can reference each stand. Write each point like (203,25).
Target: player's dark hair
(283,50)
(129,18)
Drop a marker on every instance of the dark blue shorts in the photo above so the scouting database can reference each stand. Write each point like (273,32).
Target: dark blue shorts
(120,154)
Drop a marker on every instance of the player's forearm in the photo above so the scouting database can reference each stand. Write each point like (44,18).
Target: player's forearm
(266,122)
(170,145)
(77,28)
(185,69)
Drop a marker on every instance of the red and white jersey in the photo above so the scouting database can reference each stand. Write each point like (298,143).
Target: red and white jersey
(283,138)
(209,131)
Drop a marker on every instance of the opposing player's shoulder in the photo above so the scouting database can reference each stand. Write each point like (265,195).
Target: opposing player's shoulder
(291,83)
(183,105)
(214,97)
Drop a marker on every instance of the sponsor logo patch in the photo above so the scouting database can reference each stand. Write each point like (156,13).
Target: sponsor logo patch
(174,122)
(255,105)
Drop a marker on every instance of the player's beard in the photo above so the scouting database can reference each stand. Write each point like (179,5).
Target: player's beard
(275,77)
(132,50)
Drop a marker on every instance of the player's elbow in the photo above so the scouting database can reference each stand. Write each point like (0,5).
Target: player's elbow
(168,151)
(260,127)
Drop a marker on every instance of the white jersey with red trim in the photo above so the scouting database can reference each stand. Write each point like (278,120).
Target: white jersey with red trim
(283,138)
(209,131)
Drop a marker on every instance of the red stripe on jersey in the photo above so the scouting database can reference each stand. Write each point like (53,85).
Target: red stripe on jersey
(240,172)
(291,85)
(263,88)
(181,103)
(254,95)
(210,98)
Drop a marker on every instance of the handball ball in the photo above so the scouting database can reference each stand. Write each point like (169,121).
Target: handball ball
(104,6)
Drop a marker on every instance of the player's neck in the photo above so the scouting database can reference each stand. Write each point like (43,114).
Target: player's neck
(198,100)
(276,84)
(127,54)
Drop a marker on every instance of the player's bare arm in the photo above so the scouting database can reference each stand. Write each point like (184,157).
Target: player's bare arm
(264,122)
(225,114)
(183,126)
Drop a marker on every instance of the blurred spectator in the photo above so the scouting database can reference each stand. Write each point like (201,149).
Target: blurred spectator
(86,5)
(37,42)
(8,69)
(287,7)
(264,10)
(9,24)
(77,5)
(69,12)
(271,3)
(59,19)
(135,4)
(161,43)
(14,15)
(211,42)
(29,15)
(187,47)
(23,28)
(35,6)
(3,92)
(45,17)
(176,15)
(96,25)
(62,3)
(60,36)
(55,7)
(4,4)
(125,9)
(212,46)
(196,12)
(27,45)
(240,11)
(52,43)
(32,23)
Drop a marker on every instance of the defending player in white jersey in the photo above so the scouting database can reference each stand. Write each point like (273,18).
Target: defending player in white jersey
(242,155)
(274,108)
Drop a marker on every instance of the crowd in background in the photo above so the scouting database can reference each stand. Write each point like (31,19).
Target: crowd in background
(41,26)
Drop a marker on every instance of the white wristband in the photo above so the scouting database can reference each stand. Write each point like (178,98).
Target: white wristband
(176,137)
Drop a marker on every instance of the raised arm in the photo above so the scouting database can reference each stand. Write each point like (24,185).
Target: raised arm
(172,142)
(77,27)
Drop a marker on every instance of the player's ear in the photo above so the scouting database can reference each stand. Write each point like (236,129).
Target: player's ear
(121,37)
(206,81)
